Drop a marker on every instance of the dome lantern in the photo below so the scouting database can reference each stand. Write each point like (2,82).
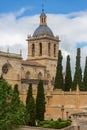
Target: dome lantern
(43,29)
(43,19)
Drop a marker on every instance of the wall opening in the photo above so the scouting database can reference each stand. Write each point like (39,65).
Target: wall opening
(33,50)
(54,50)
(27,75)
(40,49)
(49,49)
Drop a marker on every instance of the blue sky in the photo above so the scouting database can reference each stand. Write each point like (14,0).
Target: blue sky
(51,6)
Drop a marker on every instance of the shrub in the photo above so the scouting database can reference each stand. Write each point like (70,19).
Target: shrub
(46,126)
(59,119)
(41,123)
(54,124)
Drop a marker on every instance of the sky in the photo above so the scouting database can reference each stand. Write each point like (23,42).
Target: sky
(66,18)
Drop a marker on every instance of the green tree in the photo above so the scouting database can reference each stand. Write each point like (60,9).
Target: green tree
(78,72)
(85,76)
(12,110)
(17,108)
(30,106)
(68,77)
(31,109)
(15,98)
(40,102)
(16,89)
(29,94)
(5,109)
(59,76)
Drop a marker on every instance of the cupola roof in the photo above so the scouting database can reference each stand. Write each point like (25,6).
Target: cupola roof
(43,29)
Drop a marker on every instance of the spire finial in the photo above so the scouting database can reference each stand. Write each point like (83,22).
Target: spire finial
(43,16)
(42,7)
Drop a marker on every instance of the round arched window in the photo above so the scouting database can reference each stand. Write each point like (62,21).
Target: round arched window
(5,68)
(27,75)
(40,75)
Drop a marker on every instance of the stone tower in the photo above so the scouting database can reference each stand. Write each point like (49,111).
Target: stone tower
(43,47)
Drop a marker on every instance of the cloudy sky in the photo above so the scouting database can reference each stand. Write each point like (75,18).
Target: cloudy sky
(66,18)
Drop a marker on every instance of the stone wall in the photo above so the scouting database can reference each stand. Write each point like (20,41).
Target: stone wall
(13,61)
(73,102)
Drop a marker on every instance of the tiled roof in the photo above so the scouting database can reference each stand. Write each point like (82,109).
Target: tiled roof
(42,30)
(31,63)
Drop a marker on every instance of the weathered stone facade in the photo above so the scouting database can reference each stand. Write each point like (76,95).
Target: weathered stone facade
(10,67)
(72,102)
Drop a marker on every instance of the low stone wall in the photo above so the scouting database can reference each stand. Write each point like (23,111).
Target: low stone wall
(69,128)
(39,128)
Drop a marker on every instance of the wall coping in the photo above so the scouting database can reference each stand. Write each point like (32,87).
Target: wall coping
(40,128)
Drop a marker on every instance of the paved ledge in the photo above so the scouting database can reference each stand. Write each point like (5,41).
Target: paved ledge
(39,128)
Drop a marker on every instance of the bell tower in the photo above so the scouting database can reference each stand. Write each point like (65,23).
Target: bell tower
(43,46)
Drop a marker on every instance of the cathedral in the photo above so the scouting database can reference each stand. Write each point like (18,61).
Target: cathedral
(41,63)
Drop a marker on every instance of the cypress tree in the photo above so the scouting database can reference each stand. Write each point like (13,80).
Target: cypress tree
(40,102)
(78,72)
(30,106)
(16,89)
(15,102)
(59,76)
(68,77)
(85,76)
(17,108)
(29,94)
(31,109)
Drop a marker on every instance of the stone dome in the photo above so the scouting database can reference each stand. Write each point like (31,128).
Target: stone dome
(43,30)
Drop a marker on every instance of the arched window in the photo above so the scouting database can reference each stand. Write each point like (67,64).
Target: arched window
(40,49)
(54,50)
(42,20)
(40,75)
(48,49)
(27,75)
(6,67)
(33,50)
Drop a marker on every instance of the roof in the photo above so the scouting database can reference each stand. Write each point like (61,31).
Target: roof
(43,30)
(10,55)
(31,63)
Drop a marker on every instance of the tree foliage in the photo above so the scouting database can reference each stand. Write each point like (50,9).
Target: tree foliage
(59,76)
(5,109)
(15,101)
(40,102)
(85,76)
(17,107)
(29,94)
(30,106)
(31,109)
(12,111)
(68,77)
(78,72)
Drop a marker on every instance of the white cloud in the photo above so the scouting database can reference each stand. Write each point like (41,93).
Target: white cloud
(22,10)
(71,28)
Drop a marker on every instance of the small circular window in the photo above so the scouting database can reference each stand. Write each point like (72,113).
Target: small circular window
(5,68)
